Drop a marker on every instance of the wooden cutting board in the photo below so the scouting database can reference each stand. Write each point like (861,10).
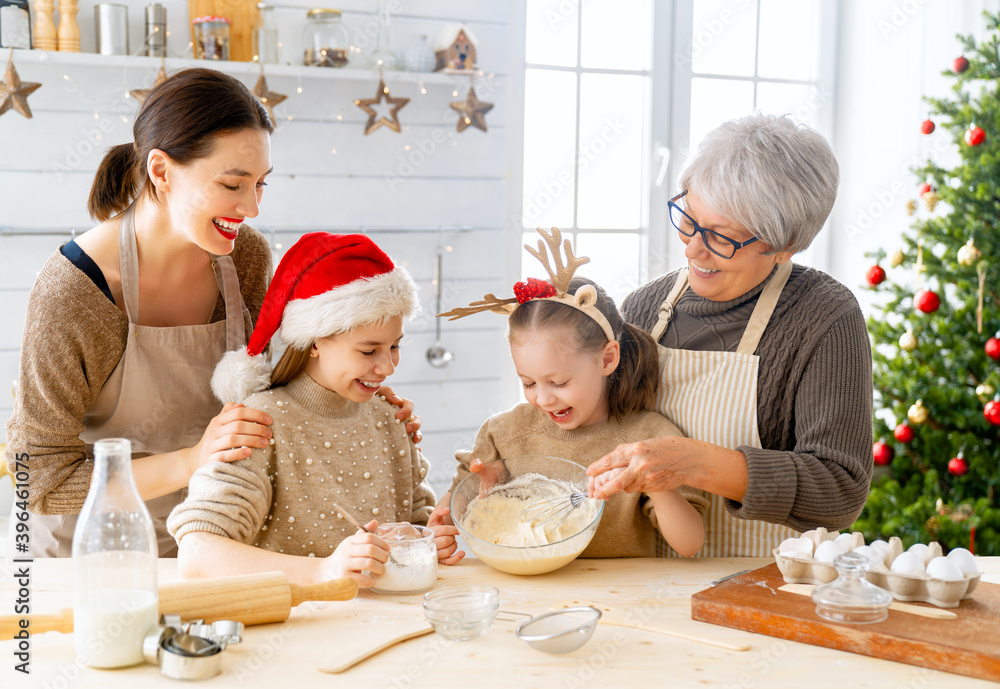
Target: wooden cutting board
(242,15)
(965,646)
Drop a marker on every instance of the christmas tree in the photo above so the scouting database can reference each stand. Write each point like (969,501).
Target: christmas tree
(936,354)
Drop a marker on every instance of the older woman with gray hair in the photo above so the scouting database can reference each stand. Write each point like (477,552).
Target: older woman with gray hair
(766,366)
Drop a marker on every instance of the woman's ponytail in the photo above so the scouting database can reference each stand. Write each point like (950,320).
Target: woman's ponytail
(115,184)
(633,385)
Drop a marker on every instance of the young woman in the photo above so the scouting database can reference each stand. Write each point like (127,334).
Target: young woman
(339,303)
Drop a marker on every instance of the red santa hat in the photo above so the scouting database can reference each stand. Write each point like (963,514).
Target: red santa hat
(325,284)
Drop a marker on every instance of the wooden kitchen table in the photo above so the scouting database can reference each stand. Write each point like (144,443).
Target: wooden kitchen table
(287,655)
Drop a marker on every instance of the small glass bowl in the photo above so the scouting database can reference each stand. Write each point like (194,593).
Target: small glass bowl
(461,613)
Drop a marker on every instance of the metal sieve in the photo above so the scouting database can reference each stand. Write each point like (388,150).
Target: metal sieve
(560,631)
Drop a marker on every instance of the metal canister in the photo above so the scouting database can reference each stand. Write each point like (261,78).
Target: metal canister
(111,22)
(156,30)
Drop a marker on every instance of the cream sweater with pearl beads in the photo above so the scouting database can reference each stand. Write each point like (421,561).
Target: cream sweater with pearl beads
(325,449)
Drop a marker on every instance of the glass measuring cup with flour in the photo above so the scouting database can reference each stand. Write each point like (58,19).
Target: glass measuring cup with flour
(412,567)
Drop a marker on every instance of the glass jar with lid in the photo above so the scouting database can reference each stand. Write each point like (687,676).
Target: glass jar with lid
(325,39)
(265,35)
(211,38)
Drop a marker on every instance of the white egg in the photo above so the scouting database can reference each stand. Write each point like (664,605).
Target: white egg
(908,563)
(827,551)
(844,540)
(873,555)
(964,560)
(921,550)
(944,569)
(879,545)
(796,545)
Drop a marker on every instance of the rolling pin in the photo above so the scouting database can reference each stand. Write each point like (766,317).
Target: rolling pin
(247,598)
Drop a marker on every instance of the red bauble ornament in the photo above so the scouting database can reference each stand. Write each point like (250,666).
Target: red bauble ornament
(904,433)
(926,127)
(925,187)
(993,347)
(926,300)
(882,453)
(957,466)
(533,289)
(875,275)
(974,136)
(991,412)
(959,65)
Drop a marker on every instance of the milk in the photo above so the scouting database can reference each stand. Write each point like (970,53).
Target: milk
(110,624)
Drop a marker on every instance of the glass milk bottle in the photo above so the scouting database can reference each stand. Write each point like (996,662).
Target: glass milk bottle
(115,597)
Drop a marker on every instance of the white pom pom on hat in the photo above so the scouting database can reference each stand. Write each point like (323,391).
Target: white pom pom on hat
(325,284)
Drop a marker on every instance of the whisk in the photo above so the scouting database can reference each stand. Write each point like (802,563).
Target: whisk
(544,512)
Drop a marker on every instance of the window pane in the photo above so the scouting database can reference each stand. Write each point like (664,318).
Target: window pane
(614,261)
(789,34)
(549,148)
(616,34)
(799,101)
(551,32)
(530,266)
(724,36)
(713,101)
(612,108)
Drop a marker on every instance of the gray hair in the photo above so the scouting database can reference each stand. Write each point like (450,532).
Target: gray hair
(773,177)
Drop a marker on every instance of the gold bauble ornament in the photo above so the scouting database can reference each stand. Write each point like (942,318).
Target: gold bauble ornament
(917,413)
(985,392)
(908,341)
(931,200)
(969,254)
(911,207)
(896,259)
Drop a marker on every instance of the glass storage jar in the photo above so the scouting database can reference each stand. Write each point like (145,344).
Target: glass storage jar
(325,39)
(211,38)
(265,35)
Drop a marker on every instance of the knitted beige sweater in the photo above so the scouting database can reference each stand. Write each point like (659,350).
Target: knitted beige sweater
(628,526)
(74,337)
(325,449)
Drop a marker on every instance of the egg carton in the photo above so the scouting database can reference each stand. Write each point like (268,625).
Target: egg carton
(800,569)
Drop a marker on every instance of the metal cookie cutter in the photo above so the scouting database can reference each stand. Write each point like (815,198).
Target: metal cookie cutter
(190,651)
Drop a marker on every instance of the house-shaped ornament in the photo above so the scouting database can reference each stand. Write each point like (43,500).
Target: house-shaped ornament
(455,48)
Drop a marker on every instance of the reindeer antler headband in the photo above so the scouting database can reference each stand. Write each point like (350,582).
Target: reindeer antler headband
(555,289)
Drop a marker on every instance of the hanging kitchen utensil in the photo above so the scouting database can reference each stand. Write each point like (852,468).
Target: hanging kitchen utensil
(437,355)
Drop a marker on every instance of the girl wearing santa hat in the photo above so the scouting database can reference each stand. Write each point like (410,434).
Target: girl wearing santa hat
(338,302)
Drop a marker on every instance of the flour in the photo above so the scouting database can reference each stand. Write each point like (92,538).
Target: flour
(415,555)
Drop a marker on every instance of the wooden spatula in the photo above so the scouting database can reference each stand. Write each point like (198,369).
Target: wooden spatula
(934,613)
(367,643)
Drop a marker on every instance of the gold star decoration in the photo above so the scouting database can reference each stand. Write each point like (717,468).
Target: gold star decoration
(392,122)
(14,92)
(142,94)
(268,98)
(471,111)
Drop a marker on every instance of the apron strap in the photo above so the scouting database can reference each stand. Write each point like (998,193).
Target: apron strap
(128,263)
(229,285)
(667,307)
(765,307)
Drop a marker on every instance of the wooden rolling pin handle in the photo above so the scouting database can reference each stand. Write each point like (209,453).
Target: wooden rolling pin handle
(62,621)
(334,589)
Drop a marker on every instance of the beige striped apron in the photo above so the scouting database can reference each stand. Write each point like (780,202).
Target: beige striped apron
(712,397)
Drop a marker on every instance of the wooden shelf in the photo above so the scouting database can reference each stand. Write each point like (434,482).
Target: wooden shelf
(241,69)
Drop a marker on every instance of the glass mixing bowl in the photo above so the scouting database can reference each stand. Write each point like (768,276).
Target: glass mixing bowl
(529,559)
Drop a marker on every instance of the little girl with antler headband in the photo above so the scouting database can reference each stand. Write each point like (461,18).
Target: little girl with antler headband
(589,379)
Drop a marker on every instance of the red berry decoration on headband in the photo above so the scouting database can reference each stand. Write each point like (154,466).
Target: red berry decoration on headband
(993,347)
(875,275)
(957,466)
(974,136)
(927,301)
(991,412)
(927,127)
(882,453)
(959,65)
(904,433)
(533,289)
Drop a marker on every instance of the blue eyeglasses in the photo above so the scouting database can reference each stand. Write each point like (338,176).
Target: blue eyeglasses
(718,244)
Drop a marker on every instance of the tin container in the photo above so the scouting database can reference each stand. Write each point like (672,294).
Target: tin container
(111,23)
(156,30)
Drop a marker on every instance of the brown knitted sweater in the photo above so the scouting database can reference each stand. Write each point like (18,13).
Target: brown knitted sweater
(325,449)
(628,526)
(814,393)
(74,337)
